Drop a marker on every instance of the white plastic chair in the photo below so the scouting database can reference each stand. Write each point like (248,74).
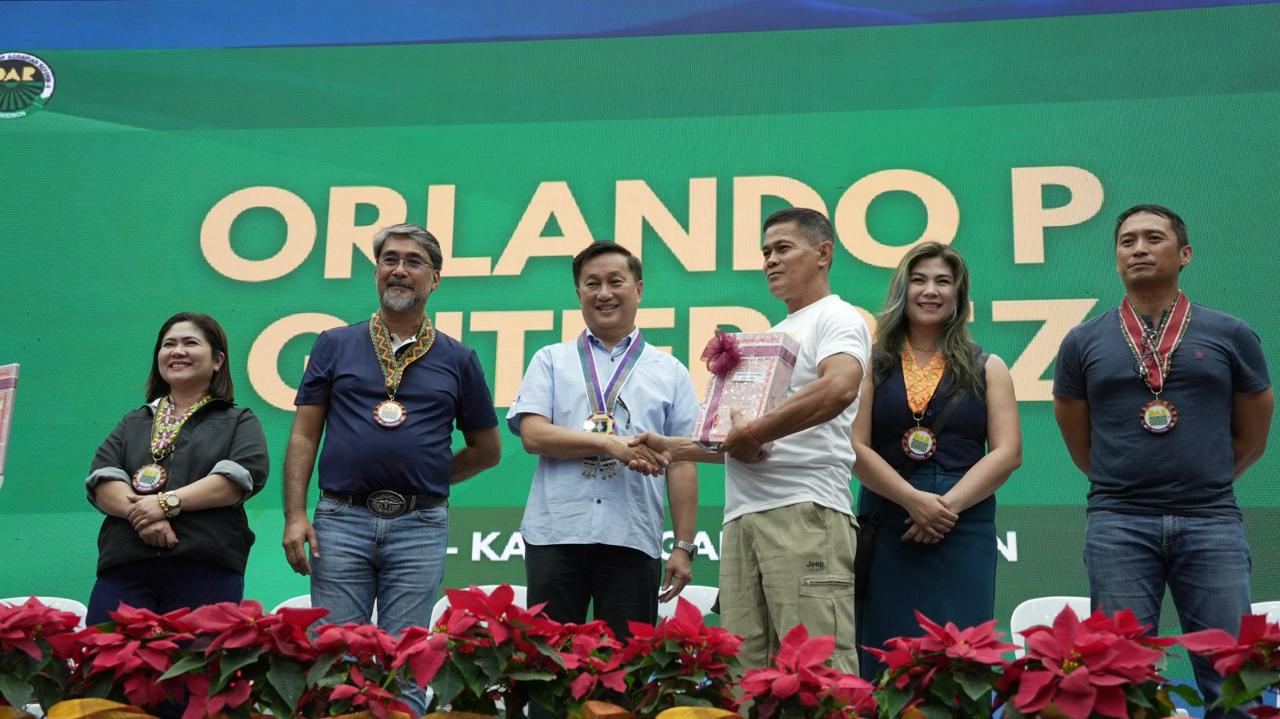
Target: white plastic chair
(60,603)
(303,601)
(702,596)
(1271,609)
(520,599)
(1041,611)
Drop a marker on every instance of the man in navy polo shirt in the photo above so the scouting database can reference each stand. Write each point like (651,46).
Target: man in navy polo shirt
(387,393)
(1163,404)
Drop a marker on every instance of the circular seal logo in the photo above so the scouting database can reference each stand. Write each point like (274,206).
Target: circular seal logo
(26,84)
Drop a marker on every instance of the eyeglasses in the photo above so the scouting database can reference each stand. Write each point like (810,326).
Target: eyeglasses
(413,263)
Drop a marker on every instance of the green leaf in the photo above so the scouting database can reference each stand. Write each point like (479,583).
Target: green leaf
(286,677)
(974,687)
(184,665)
(490,663)
(690,700)
(448,683)
(320,668)
(531,676)
(232,662)
(1257,678)
(469,669)
(1134,695)
(1232,686)
(1188,694)
(662,657)
(933,711)
(15,691)
(943,688)
(101,686)
(891,699)
(1236,689)
(547,651)
(48,691)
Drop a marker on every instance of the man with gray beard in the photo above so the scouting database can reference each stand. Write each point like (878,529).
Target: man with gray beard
(387,394)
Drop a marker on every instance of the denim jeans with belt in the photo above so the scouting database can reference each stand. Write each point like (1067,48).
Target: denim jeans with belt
(399,561)
(1204,561)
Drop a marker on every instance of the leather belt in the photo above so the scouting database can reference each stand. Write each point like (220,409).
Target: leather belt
(386,503)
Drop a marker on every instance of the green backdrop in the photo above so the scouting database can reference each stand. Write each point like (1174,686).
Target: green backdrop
(542,144)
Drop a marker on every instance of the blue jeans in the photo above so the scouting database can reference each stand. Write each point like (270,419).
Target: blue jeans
(398,561)
(1204,561)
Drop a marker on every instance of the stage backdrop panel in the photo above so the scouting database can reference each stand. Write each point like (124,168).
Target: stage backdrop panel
(247,182)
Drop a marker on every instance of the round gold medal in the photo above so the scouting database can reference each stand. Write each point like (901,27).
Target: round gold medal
(919,443)
(1158,416)
(389,413)
(599,422)
(150,478)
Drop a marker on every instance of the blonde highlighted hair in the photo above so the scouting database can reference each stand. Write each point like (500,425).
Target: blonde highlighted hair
(954,343)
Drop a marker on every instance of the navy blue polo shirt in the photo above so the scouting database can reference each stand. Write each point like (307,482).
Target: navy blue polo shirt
(1188,470)
(440,390)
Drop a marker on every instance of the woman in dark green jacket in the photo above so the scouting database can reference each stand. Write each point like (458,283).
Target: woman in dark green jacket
(172,478)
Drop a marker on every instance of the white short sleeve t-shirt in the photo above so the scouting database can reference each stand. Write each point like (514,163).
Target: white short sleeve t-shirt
(813,465)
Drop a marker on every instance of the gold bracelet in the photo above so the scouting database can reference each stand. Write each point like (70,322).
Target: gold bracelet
(165,507)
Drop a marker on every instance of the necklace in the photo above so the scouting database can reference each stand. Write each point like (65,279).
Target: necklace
(165,426)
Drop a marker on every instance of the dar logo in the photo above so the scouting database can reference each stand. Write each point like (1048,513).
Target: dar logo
(26,84)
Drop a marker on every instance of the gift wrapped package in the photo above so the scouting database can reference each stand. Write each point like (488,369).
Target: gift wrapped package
(750,372)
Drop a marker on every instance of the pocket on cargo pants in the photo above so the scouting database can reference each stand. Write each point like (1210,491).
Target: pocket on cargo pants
(826,607)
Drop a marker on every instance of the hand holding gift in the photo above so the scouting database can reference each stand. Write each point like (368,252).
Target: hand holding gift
(750,375)
(741,442)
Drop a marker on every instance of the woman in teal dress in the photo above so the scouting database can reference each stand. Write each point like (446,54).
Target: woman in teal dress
(936,434)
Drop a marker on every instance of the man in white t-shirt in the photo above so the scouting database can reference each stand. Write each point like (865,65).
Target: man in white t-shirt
(786,556)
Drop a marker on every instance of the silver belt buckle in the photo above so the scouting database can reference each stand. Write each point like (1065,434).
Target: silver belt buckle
(386,503)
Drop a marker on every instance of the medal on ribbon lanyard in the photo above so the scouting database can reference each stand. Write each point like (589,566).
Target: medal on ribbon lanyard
(919,442)
(601,400)
(390,413)
(1155,364)
(152,477)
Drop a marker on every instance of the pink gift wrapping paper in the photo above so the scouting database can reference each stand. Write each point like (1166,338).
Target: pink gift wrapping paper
(758,384)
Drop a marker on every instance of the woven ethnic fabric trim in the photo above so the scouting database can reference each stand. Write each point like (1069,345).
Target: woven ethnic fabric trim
(921,381)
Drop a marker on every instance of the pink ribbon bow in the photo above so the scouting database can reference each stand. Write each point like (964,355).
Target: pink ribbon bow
(721,353)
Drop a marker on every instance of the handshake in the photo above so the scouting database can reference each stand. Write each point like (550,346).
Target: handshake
(649,453)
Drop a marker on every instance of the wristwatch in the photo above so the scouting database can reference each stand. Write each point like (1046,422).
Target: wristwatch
(170,504)
(689,547)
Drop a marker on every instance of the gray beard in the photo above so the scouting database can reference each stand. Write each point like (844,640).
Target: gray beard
(399,302)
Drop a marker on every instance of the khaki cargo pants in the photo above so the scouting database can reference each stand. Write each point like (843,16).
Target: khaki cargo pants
(787,566)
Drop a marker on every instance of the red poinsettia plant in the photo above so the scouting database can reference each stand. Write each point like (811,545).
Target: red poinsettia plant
(680,662)
(594,659)
(242,660)
(485,650)
(30,666)
(801,683)
(1249,663)
(127,658)
(357,669)
(949,670)
(1104,666)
